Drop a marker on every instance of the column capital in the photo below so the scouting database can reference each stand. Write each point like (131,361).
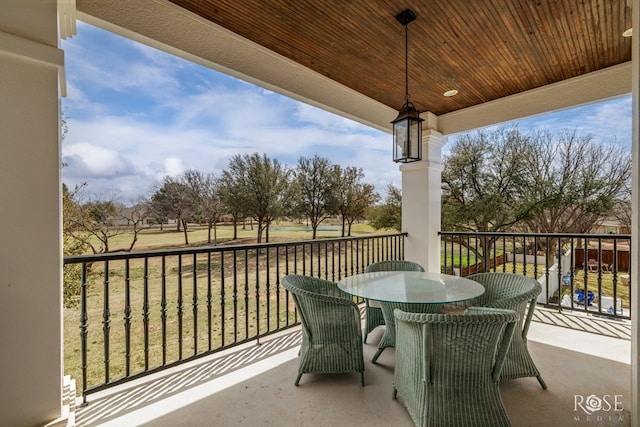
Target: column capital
(423,164)
(432,136)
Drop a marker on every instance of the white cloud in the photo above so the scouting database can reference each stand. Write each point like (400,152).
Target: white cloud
(93,161)
(128,67)
(173,166)
(612,120)
(325,119)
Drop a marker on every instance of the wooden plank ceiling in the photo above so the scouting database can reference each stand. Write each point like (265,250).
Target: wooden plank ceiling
(485,49)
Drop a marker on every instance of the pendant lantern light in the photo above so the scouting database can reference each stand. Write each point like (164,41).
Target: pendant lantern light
(407,127)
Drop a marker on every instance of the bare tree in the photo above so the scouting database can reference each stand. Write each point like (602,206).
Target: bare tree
(622,209)
(95,221)
(135,217)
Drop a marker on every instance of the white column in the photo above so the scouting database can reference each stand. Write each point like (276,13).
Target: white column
(30,243)
(634,403)
(421,190)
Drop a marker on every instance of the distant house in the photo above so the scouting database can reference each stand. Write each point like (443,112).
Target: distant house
(610,225)
(127,215)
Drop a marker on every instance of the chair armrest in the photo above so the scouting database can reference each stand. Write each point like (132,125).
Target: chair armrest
(483,310)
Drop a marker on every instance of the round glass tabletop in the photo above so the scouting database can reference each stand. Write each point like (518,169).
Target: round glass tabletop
(411,287)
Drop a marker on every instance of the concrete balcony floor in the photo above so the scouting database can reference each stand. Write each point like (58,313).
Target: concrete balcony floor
(252,385)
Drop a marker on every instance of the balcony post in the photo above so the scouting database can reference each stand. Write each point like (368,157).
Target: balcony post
(421,190)
(31,72)
(635,218)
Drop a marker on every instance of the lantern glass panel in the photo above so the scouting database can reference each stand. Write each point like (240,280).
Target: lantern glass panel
(400,136)
(415,139)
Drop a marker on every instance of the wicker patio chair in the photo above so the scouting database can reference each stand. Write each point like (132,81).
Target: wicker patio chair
(448,366)
(373,311)
(331,327)
(389,337)
(518,293)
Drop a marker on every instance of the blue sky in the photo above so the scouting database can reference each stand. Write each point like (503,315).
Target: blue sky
(136,114)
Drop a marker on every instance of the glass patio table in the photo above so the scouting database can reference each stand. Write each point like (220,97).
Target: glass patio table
(413,291)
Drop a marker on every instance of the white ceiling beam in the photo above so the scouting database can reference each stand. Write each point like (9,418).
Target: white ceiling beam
(609,83)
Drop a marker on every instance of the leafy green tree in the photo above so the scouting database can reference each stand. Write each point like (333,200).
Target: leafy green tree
(73,240)
(101,211)
(230,192)
(353,197)
(315,182)
(484,179)
(389,215)
(74,243)
(484,184)
(174,198)
(579,180)
(206,200)
(262,186)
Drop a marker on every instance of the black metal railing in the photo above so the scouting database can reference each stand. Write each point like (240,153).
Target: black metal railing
(586,272)
(143,312)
